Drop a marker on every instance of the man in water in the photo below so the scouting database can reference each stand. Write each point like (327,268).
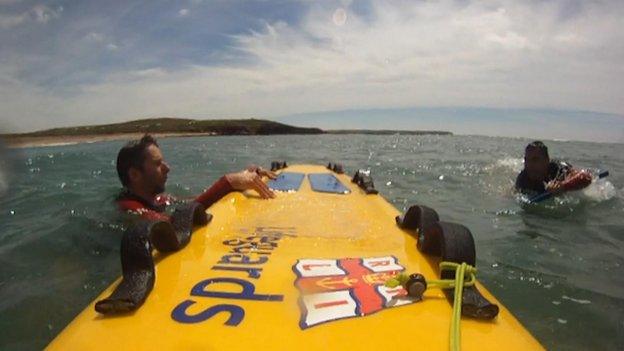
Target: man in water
(143,173)
(540,174)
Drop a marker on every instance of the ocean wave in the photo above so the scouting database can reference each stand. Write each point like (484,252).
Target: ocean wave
(50,144)
(513,163)
(4,171)
(4,183)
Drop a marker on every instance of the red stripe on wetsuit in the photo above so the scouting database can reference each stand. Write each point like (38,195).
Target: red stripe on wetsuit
(155,210)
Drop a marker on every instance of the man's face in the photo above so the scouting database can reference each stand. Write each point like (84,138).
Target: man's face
(153,176)
(536,164)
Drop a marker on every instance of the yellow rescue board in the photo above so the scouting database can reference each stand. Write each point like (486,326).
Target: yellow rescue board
(233,287)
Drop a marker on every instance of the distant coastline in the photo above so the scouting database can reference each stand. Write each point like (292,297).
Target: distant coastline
(175,127)
(388,132)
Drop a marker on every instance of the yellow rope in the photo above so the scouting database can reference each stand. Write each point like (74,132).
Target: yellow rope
(461,271)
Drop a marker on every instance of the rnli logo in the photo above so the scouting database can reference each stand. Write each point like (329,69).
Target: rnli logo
(346,288)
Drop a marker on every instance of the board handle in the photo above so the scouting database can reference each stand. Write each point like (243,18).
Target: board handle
(451,242)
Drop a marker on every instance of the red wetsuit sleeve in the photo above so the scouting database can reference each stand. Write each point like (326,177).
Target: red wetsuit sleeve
(577,180)
(138,208)
(218,190)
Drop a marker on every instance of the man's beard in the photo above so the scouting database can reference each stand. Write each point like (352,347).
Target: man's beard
(159,189)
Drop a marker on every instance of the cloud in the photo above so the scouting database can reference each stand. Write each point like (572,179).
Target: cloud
(393,55)
(183,12)
(102,40)
(339,17)
(421,54)
(38,14)
(95,37)
(42,13)
(8,21)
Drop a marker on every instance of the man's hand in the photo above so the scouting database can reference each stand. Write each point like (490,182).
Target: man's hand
(555,187)
(247,179)
(261,171)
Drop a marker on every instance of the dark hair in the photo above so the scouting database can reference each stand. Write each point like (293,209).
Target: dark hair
(537,145)
(132,155)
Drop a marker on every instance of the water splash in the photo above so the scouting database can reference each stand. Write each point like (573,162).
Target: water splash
(514,164)
(600,190)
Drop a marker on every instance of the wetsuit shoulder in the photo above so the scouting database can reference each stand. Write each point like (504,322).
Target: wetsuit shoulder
(521,180)
(558,170)
(129,203)
(525,185)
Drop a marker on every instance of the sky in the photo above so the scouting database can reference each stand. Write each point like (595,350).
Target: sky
(549,69)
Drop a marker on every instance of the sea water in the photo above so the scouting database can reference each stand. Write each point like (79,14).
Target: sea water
(557,265)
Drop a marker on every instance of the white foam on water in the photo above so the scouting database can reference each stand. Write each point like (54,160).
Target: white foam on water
(514,164)
(63,143)
(4,183)
(600,190)
(579,301)
(5,167)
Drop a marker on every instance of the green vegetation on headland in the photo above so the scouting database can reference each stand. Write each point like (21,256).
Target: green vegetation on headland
(180,125)
(164,127)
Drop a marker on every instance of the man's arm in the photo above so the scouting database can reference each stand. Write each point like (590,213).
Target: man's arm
(218,190)
(575,179)
(251,178)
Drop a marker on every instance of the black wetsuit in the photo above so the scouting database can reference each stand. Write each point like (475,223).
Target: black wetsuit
(557,170)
